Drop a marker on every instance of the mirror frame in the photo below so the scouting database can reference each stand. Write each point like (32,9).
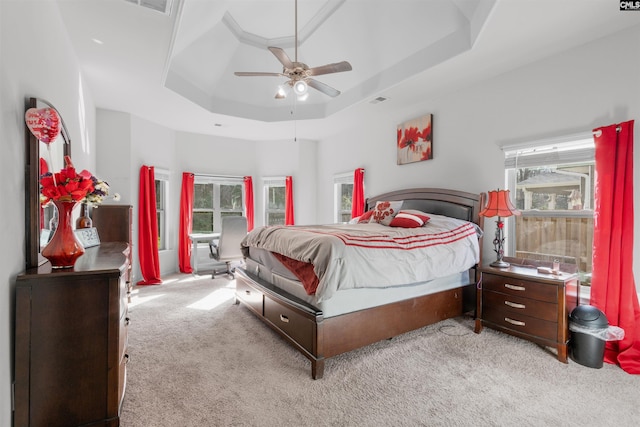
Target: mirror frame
(32,184)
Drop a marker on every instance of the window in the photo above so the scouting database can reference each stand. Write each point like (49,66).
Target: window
(215,198)
(162,188)
(274,196)
(552,184)
(342,197)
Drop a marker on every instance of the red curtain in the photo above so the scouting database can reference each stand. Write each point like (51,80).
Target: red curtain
(148,228)
(288,203)
(357,203)
(248,201)
(186,223)
(613,288)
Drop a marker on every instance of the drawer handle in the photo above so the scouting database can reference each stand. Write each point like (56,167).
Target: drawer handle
(127,321)
(514,287)
(515,304)
(126,358)
(284,318)
(514,322)
(247,292)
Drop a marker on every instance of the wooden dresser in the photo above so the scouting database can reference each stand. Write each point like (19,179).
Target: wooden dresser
(115,224)
(530,305)
(71,341)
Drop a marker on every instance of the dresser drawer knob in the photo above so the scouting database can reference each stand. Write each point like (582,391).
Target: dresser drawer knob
(126,358)
(127,321)
(514,287)
(247,292)
(514,322)
(515,304)
(284,318)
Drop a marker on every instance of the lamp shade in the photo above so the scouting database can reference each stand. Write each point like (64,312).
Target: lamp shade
(499,204)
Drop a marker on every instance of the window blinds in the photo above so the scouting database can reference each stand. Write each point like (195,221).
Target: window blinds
(577,148)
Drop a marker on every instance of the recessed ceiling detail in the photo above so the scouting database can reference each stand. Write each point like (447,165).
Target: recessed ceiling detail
(386,42)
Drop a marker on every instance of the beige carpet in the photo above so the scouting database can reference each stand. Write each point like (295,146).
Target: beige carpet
(196,359)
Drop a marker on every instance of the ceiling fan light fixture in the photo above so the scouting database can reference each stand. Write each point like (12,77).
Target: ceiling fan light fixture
(281,94)
(300,87)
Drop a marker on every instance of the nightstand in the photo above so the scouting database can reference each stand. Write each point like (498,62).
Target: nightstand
(522,302)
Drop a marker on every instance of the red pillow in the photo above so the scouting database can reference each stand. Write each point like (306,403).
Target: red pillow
(409,219)
(365,217)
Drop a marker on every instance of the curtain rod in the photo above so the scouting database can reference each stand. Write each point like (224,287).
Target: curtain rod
(208,175)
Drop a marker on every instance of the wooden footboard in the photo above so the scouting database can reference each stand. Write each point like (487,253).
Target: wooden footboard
(317,338)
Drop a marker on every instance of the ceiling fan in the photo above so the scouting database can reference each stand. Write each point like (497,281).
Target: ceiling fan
(300,74)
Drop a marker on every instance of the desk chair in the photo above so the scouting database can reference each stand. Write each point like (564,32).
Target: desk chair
(227,248)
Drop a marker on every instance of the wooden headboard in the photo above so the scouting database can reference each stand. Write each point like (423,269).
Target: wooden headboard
(439,201)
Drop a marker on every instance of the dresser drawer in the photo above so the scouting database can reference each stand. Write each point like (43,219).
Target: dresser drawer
(520,287)
(249,295)
(520,306)
(292,323)
(123,335)
(524,324)
(124,297)
(122,380)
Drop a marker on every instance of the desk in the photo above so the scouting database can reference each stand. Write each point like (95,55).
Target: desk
(199,238)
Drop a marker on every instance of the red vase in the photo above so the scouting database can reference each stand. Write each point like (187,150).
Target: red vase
(64,248)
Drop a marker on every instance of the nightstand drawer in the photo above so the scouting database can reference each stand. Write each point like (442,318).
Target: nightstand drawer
(520,306)
(520,287)
(524,324)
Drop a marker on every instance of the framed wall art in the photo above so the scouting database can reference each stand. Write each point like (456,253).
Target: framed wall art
(415,140)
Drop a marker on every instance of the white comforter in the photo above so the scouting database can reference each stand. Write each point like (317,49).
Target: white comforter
(346,256)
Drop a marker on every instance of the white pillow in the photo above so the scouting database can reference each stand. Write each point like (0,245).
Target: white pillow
(384,212)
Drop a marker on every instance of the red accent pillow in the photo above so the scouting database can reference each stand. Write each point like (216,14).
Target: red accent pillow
(409,219)
(365,217)
(384,212)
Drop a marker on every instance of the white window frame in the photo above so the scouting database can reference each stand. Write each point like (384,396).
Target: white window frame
(163,176)
(267,183)
(339,180)
(217,211)
(569,149)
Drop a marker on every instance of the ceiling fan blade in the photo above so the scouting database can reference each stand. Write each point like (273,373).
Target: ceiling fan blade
(326,89)
(257,73)
(282,57)
(337,67)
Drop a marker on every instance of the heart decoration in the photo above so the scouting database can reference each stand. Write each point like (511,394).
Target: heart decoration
(44,123)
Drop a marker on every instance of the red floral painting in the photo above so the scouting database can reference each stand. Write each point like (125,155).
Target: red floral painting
(415,140)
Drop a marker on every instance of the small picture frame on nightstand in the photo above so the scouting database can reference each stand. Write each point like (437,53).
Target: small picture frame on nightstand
(88,236)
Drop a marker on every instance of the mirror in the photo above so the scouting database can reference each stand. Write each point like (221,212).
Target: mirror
(37,219)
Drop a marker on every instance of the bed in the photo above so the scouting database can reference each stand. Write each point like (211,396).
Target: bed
(332,318)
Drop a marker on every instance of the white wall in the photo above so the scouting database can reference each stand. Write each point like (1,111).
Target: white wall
(127,142)
(576,91)
(28,70)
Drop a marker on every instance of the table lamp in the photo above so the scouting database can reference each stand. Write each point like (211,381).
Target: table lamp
(499,205)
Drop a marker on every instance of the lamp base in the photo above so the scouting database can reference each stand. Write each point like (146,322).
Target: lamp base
(500,264)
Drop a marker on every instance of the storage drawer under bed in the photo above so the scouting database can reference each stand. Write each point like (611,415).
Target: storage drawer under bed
(292,323)
(252,297)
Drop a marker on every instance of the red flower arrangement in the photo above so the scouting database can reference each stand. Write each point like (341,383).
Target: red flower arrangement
(66,185)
